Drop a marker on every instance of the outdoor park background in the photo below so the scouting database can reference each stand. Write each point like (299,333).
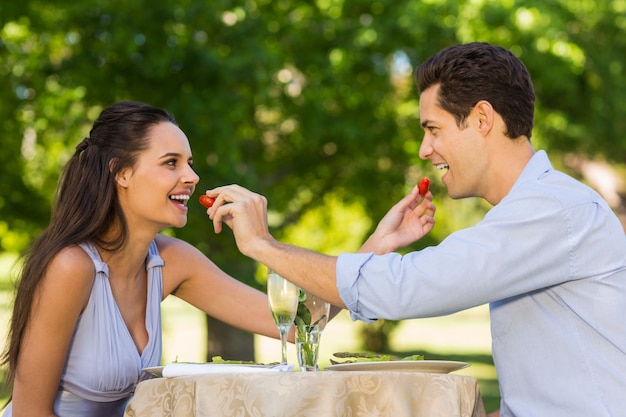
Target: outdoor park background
(310,103)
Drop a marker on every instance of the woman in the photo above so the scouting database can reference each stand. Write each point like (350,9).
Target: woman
(86,318)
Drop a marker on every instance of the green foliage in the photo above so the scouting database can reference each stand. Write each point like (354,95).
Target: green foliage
(295,99)
(333,227)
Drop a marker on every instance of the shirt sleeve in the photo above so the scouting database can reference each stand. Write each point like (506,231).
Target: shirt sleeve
(348,266)
(525,243)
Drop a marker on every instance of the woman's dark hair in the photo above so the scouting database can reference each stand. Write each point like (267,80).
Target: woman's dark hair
(478,71)
(86,207)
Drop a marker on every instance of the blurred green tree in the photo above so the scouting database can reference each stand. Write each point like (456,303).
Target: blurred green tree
(295,99)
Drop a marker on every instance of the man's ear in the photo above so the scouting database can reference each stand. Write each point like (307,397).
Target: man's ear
(484,114)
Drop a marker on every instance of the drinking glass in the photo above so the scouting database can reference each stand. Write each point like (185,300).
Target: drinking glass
(283,301)
(311,319)
(308,346)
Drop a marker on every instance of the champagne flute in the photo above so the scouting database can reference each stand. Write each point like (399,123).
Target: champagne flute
(283,301)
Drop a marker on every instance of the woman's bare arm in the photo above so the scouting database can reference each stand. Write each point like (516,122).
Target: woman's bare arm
(58,302)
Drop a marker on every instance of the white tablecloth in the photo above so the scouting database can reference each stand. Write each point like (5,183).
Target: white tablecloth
(314,394)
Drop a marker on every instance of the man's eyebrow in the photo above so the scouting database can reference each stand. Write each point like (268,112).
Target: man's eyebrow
(425,123)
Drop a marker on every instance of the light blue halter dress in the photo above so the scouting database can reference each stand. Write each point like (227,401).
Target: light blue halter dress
(103,365)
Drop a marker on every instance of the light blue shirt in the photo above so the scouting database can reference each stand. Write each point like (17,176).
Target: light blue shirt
(550,259)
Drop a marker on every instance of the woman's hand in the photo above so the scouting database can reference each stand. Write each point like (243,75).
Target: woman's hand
(406,222)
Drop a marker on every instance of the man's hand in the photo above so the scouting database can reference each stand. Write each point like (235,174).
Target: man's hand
(243,211)
(406,222)
(246,214)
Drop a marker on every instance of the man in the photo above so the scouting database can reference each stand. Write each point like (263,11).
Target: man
(549,257)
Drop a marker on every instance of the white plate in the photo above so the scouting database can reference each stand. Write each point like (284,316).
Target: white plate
(426,366)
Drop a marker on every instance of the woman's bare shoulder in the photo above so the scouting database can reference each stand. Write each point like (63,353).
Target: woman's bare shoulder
(176,249)
(71,267)
(182,262)
(73,257)
(67,281)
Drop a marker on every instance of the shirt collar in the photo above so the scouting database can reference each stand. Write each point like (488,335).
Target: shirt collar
(538,165)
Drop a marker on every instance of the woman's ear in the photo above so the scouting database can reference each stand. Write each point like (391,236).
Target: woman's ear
(122,176)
